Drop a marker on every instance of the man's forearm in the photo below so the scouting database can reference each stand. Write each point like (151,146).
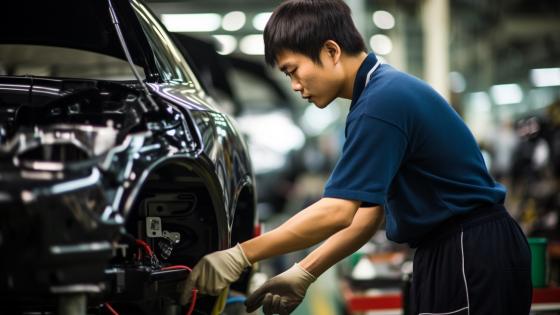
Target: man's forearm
(307,228)
(363,227)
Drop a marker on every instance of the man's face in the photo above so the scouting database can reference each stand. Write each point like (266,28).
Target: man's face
(318,83)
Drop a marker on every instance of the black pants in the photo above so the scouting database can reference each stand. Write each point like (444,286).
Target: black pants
(476,264)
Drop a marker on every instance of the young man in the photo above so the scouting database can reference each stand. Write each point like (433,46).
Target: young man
(408,157)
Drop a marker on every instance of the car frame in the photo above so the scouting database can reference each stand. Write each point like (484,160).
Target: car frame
(106,185)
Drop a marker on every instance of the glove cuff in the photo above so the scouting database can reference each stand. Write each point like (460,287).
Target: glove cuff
(242,254)
(305,274)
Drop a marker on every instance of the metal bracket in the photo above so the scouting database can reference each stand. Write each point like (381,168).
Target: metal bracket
(174,237)
(153,227)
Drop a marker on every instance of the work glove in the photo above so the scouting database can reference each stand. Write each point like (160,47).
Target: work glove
(283,293)
(215,272)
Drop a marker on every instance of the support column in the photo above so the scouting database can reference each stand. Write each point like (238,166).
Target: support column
(435,24)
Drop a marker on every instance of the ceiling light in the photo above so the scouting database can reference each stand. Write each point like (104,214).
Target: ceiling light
(233,21)
(545,77)
(252,44)
(199,22)
(383,20)
(506,94)
(381,44)
(260,20)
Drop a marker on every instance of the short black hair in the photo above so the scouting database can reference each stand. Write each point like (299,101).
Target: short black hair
(303,26)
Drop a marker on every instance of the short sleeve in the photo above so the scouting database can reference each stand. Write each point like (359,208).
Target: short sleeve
(371,156)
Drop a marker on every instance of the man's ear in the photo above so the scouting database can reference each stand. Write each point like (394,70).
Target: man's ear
(333,50)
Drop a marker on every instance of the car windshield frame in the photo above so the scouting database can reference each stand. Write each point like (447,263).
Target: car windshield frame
(169,60)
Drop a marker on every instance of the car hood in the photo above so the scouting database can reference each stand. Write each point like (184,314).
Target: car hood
(84,24)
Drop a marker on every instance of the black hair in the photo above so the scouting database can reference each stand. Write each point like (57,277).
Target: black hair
(303,26)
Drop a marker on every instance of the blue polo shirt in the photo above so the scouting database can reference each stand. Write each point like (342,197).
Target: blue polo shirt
(408,150)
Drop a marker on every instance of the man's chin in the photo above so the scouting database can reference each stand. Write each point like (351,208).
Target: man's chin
(319,104)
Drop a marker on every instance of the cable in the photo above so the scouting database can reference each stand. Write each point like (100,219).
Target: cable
(111,309)
(194,291)
(150,253)
(177,267)
(146,247)
(193,301)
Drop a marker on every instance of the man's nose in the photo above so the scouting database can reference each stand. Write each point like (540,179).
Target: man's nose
(296,86)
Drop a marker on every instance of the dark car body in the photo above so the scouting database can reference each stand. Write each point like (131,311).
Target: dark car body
(90,166)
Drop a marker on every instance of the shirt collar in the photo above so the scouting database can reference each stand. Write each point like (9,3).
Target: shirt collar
(361,76)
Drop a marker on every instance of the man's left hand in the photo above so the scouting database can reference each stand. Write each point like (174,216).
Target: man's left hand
(281,294)
(214,272)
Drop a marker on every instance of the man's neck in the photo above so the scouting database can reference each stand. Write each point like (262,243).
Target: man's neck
(351,66)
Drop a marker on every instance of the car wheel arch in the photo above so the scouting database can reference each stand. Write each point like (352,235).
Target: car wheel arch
(170,173)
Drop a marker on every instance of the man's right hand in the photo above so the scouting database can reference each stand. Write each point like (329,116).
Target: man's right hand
(281,294)
(214,272)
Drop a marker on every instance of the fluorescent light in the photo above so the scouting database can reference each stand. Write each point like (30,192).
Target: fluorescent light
(383,20)
(381,44)
(228,44)
(545,77)
(233,21)
(260,20)
(198,22)
(506,94)
(457,82)
(252,44)
(479,102)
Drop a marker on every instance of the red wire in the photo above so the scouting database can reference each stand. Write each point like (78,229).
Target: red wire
(146,247)
(111,309)
(175,267)
(194,291)
(193,301)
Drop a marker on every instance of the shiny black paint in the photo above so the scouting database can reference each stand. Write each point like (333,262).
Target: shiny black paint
(63,213)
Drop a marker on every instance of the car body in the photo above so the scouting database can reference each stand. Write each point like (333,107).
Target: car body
(108,140)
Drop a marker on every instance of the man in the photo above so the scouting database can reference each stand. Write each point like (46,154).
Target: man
(408,157)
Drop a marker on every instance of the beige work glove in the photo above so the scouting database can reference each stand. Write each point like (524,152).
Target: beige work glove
(281,294)
(214,272)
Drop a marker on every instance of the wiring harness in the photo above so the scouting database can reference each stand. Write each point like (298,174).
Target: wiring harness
(155,263)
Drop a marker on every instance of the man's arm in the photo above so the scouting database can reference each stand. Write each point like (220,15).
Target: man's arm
(308,227)
(366,222)
(283,293)
(217,270)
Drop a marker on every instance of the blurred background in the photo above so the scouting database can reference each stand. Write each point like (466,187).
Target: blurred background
(497,62)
